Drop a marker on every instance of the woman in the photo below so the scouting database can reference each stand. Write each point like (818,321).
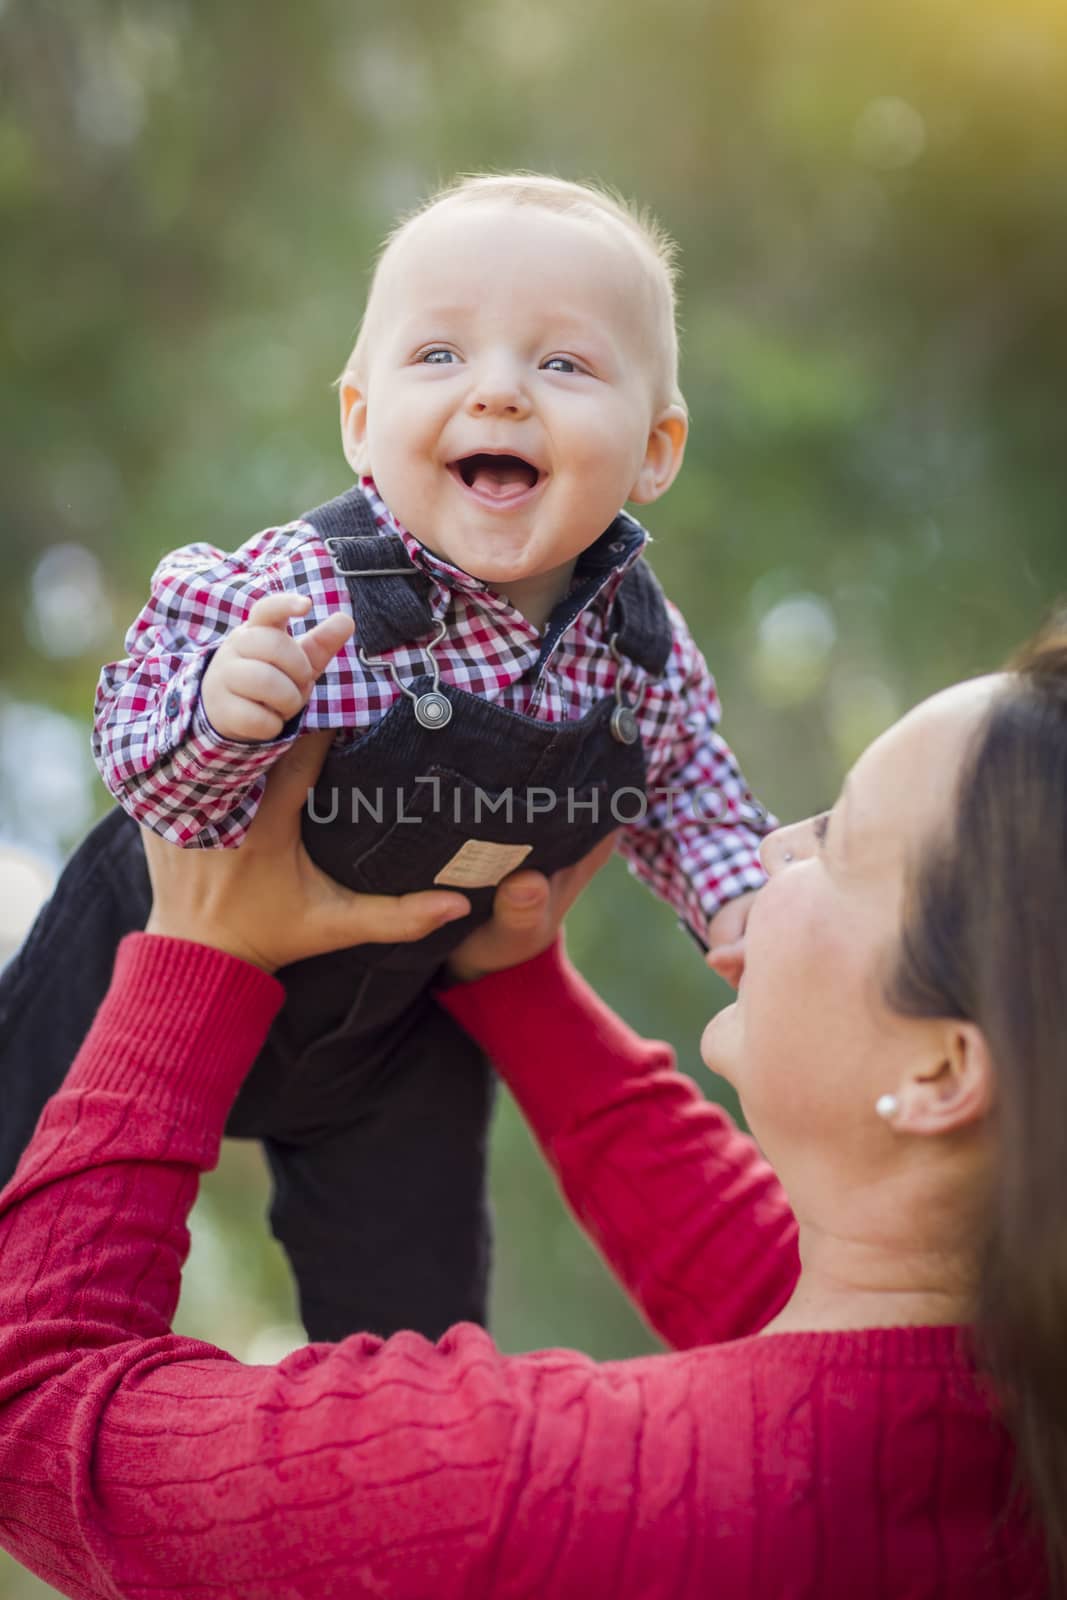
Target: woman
(821,1430)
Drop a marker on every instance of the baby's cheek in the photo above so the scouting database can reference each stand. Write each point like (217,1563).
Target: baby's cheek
(606,447)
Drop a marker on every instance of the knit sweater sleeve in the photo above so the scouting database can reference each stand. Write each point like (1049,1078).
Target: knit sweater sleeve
(684,1209)
(138,1463)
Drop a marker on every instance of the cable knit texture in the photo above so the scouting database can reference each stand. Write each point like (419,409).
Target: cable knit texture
(136,1463)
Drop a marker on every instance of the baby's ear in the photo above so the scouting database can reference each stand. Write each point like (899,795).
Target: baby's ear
(663,456)
(354,425)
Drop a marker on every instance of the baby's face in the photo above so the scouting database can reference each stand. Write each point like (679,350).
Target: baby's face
(511,398)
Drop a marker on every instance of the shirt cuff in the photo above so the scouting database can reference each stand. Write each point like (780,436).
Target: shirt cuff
(203,730)
(178,703)
(216,766)
(713,884)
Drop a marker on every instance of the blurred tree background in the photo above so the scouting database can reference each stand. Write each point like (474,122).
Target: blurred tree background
(872,207)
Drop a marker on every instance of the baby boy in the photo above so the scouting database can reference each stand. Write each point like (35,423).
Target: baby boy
(516,686)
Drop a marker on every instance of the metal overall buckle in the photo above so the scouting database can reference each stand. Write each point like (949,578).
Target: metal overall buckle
(623,722)
(361,572)
(433,709)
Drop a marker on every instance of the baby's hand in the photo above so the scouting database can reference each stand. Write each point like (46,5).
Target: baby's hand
(726,938)
(260,676)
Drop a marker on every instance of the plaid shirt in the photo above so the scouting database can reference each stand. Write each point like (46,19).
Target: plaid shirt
(696,844)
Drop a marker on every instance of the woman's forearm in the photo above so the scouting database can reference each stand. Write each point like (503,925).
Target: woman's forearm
(683,1207)
(93,1234)
(135,1461)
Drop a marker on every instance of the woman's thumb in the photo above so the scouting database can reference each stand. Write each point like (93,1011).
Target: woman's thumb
(521,900)
(400,919)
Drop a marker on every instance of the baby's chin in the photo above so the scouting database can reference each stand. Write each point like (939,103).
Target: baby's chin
(497,559)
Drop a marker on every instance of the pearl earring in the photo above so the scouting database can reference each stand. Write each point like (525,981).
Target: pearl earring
(787,855)
(887,1106)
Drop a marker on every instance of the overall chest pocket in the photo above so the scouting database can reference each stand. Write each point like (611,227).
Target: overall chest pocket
(445,828)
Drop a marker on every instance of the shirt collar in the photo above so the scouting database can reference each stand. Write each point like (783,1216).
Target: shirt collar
(435,567)
(609,557)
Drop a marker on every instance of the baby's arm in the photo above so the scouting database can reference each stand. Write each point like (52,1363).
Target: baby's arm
(697,846)
(177,737)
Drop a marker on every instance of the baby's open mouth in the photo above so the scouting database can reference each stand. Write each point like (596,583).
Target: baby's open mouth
(503,477)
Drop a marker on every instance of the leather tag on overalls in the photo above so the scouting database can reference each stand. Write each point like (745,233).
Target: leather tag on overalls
(481,865)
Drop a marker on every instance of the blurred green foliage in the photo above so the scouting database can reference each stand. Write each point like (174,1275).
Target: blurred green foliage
(872,209)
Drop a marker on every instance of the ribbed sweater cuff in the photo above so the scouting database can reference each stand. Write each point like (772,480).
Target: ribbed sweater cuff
(179,1027)
(556,1044)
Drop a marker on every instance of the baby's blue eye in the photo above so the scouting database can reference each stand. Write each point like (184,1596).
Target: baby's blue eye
(437,358)
(561,364)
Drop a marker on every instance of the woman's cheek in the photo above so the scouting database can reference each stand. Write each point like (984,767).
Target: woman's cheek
(785,967)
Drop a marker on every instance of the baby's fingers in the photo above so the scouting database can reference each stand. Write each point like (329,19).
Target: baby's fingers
(265,685)
(728,961)
(321,643)
(302,659)
(275,610)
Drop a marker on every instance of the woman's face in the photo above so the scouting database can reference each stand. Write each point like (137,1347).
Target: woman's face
(810,1043)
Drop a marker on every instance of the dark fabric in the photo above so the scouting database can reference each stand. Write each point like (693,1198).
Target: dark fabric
(387,613)
(50,989)
(373,1114)
(641,619)
(410,1164)
(347,516)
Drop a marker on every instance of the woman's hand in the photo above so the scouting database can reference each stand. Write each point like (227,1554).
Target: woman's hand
(528,912)
(266,901)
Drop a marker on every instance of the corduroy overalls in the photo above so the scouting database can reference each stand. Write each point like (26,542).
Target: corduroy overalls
(372,1105)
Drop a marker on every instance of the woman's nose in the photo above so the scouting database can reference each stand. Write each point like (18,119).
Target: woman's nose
(780,848)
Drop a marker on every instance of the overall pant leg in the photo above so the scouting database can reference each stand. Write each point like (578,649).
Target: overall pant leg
(51,988)
(374,1109)
(385,1218)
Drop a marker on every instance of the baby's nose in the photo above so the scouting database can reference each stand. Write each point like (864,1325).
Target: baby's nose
(498,392)
(495,405)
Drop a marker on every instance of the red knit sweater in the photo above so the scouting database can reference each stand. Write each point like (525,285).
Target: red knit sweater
(136,1463)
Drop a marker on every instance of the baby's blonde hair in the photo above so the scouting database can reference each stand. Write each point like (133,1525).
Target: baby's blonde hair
(589,200)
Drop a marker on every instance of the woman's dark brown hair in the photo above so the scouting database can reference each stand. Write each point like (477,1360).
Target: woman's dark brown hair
(985,939)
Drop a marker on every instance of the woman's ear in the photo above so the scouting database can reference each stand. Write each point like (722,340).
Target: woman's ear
(354,425)
(957,1090)
(663,455)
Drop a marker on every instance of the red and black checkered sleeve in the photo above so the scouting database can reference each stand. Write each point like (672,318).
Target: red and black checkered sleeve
(156,751)
(697,843)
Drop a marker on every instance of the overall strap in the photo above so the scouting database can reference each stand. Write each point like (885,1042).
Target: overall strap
(640,619)
(389,596)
